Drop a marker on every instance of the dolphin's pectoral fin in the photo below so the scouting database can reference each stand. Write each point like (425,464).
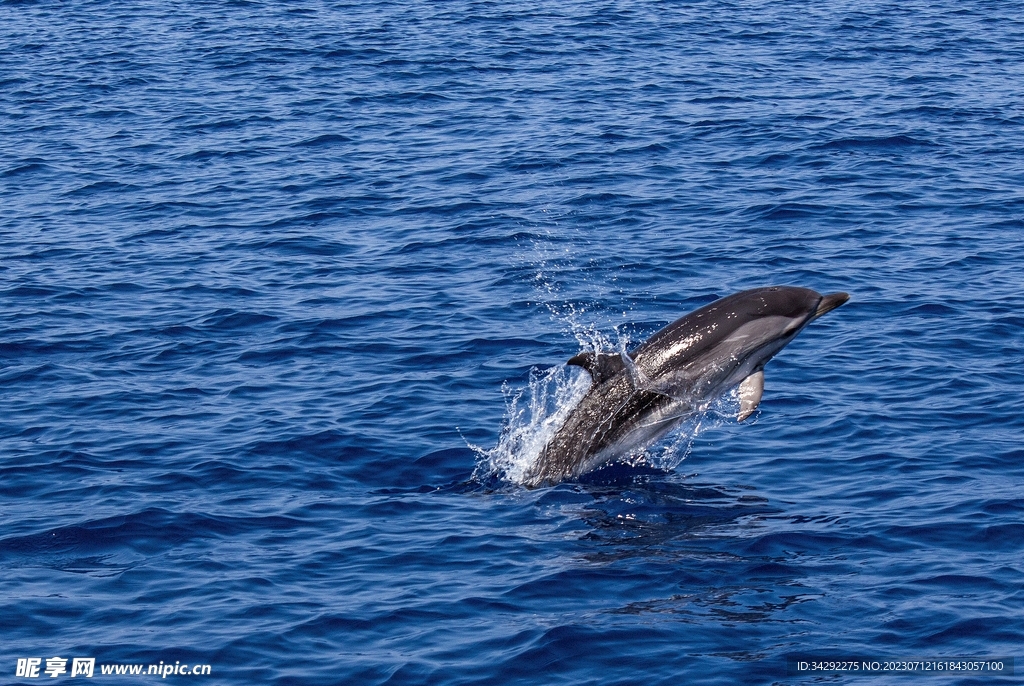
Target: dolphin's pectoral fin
(600,365)
(750,394)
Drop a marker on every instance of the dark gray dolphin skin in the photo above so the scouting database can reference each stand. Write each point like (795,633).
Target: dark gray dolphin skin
(636,398)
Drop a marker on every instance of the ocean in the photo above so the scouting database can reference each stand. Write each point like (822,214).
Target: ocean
(286,295)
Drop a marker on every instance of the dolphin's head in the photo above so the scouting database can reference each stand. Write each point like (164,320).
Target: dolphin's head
(731,338)
(767,319)
(777,311)
(780,312)
(796,306)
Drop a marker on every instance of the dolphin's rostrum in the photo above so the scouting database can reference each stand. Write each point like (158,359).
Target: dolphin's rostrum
(636,398)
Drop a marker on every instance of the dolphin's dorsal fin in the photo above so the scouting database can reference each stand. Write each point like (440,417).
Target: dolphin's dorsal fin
(601,366)
(750,394)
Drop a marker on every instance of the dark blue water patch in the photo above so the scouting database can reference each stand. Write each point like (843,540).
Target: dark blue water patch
(979,631)
(226,319)
(440,469)
(320,444)
(27,166)
(787,211)
(617,475)
(145,532)
(887,143)
(30,292)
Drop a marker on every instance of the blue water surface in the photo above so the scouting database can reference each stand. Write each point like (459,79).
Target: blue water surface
(268,270)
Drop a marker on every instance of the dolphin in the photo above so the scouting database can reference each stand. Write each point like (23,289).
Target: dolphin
(637,397)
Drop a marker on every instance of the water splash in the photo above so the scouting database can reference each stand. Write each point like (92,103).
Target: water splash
(669,452)
(560,275)
(532,416)
(536,412)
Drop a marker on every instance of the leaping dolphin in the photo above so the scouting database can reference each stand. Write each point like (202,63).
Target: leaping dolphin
(638,397)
